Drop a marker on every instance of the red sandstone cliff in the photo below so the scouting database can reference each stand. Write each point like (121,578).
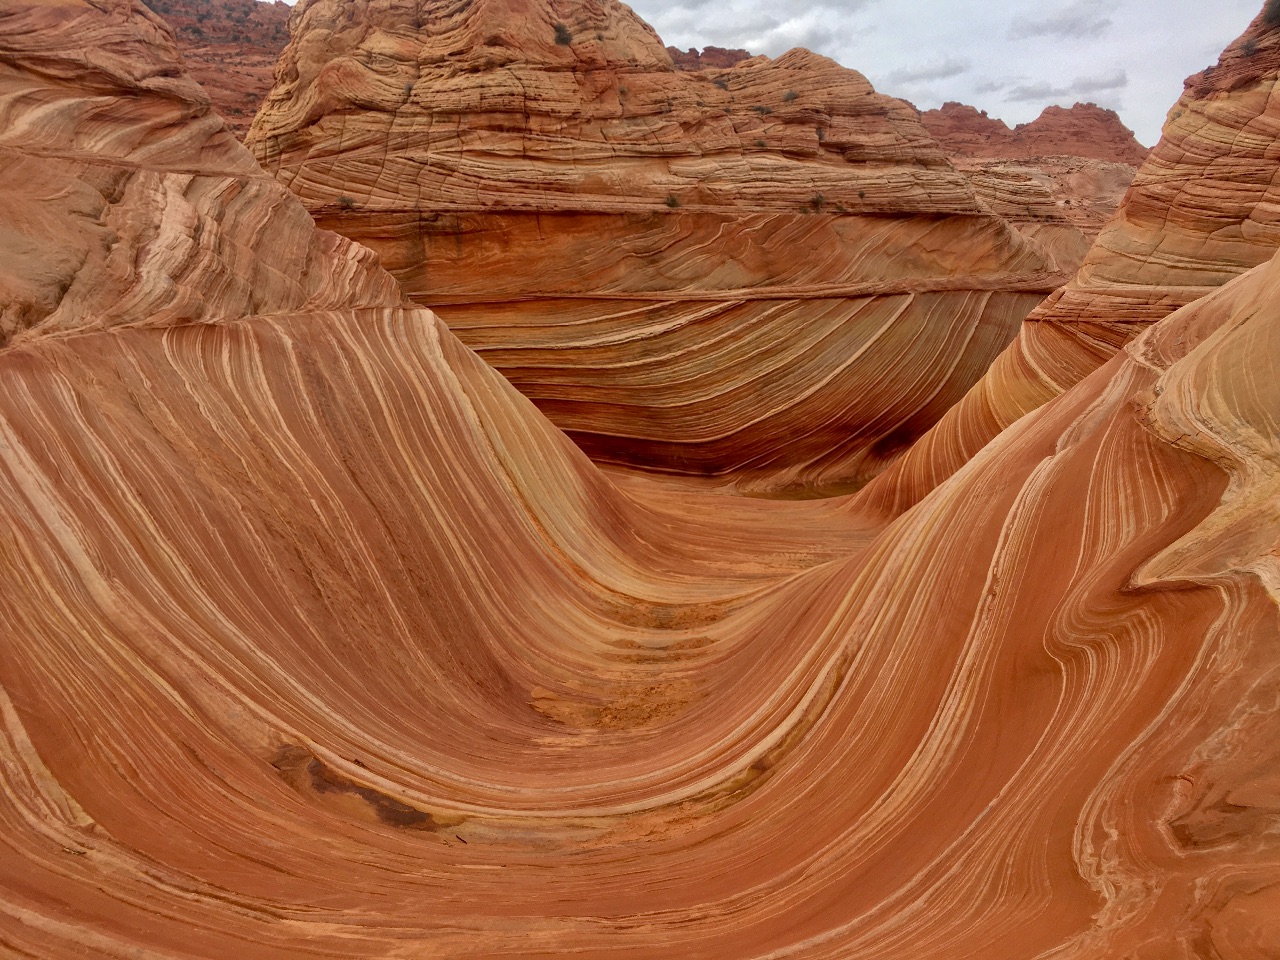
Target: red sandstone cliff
(709,58)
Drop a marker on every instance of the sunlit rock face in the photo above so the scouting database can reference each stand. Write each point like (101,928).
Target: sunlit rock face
(1202,210)
(767,275)
(319,640)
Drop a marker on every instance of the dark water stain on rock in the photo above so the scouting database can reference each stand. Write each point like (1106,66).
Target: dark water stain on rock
(308,774)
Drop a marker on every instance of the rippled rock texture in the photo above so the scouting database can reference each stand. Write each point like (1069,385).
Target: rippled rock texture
(747,274)
(320,641)
(1202,210)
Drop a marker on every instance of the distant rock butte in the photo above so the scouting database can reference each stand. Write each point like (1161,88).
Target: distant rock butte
(1074,162)
(230,47)
(1084,130)
(748,274)
(717,58)
(1203,209)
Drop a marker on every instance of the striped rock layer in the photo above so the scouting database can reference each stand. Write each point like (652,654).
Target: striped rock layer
(320,641)
(769,275)
(1203,209)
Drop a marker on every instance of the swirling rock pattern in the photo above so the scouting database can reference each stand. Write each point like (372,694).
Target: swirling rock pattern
(745,274)
(152,215)
(1202,210)
(320,641)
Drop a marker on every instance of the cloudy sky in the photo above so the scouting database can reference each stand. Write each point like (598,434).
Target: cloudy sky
(1008,57)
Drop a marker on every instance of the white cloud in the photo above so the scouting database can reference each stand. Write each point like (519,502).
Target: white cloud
(1082,87)
(1085,19)
(942,69)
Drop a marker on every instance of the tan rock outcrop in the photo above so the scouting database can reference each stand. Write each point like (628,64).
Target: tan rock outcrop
(747,275)
(1060,191)
(317,640)
(1058,179)
(1202,210)
(151,215)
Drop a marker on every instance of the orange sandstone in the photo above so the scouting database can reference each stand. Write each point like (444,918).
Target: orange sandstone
(1201,211)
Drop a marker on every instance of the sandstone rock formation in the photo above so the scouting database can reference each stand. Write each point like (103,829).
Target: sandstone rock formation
(318,640)
(746,274)
(1084,130)
(1202,210)
(1058,179)
(1038,194)
(717,58)
(230,47)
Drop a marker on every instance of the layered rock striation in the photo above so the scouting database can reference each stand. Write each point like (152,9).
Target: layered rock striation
(746,275)
(152,214)
(320,641)
(1059,178)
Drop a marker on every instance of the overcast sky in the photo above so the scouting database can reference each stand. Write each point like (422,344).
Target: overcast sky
(1008,57)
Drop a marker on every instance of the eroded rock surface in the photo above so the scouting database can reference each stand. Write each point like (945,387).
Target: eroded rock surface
(717,58)
(230,47)
(1059,178)
(320,641)
(747,275)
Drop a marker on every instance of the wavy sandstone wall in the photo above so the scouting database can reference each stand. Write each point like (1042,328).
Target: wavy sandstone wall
(320,641)
(744,274)
(1202,210)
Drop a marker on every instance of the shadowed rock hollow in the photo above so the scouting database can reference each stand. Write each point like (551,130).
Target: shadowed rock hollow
(319,640)
(768,275)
